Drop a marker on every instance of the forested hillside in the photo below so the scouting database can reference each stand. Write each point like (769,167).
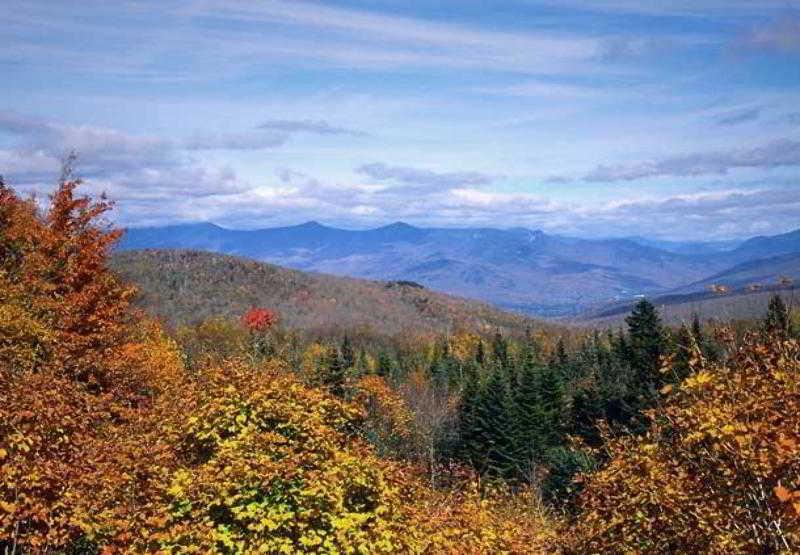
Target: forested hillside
(185,287)
(235,433)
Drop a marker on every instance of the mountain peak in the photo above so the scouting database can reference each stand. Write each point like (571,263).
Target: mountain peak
(398,226)
(312,224)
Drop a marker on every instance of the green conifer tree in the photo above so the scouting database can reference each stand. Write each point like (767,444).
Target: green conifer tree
(494,438)
(646,345)
(348,354)
(561,357)
(530,416)
(500,350)
(588,407)
(553,404)
(385,365)
(480,353)
(697,329)
(777,320)
(685,344)
(333,371)
(468,448)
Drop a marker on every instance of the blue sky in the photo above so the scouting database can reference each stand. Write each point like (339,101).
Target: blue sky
(675,119)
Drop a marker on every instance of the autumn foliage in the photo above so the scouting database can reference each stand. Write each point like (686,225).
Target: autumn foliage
(718,470)
(259,319)
(77,373)
(108,443)
(237,437)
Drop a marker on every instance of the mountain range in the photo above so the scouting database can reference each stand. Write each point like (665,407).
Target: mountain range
(517,269)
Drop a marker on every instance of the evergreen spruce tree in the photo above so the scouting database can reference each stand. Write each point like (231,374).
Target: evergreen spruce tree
(480,353)
(777,320)
(445,371)
(468,448)
(588,407)
(646,346)
(361,364)
(333,371)
(385,365)
(617,384)
(348,354)
(553,404)
(500,350)
(529,411)
(684,346)
(561,353)
(494,439)
(534,344)
(599,353)
(697,330)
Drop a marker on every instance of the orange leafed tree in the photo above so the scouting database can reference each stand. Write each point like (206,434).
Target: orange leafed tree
(54,265)
(73,372)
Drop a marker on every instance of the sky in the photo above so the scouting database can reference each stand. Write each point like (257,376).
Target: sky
(595,118)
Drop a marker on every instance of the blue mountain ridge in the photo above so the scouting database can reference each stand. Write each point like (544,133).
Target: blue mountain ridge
(519,269)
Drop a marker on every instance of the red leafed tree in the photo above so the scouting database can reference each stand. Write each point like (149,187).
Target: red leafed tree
(259,319)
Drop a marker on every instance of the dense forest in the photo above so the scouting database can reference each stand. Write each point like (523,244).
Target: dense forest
(239,433)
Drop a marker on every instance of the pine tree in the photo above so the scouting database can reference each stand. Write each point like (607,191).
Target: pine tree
(599,352)
(561,353)
(697,329)
(333,371)
(500,350)
(493,442)
(552,399)
(685,344)
(777,320)
(646,346)
(588,407)
(348,354)
(467,425)
(445,371)
(530,416)
(385,365)
(480,354)
(617,385)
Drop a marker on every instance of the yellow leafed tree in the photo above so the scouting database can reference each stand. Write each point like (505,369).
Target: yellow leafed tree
(718,470)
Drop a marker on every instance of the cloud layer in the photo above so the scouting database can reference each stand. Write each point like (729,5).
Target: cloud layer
(609,117)
(778,153)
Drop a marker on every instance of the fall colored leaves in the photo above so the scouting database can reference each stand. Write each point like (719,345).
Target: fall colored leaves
(110,443)
(113,438)
(718,469)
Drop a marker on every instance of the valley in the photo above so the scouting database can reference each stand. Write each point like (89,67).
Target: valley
(525,271)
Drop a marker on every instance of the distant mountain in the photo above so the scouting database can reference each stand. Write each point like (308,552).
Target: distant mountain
(183,287)
(687,247)
(737,304)
(763,247)
(518,269)
(761,272)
